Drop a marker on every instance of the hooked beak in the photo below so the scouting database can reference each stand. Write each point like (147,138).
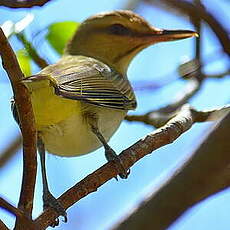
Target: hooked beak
(159,35)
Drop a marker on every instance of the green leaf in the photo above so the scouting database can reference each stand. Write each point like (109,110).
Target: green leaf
(24,61)
(59,34)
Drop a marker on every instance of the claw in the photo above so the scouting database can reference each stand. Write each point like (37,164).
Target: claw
(55,223)
(65,219)
(112,156)
(50,201)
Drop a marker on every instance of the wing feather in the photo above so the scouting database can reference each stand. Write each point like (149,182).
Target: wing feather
(94,82)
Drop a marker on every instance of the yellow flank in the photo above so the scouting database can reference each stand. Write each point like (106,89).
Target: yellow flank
(49,108)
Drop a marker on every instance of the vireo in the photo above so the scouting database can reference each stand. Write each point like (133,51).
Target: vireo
(80,101)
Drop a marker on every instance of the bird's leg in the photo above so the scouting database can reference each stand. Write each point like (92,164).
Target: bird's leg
(48,199)
(110,154)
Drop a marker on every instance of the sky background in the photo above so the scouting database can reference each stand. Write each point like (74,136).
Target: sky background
(158,63)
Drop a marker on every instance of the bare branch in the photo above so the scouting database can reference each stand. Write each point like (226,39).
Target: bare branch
(219,75)
(211,115)
(22,3)
(10,208)
(3,226)
(32,51)
(27,126)
(18,213)
(160,137)
(203,174)
(10,150)
(159,117)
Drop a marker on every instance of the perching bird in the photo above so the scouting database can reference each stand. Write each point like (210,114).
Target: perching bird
(80,101)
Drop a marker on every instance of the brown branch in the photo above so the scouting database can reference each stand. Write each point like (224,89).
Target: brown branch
(32,51)
(27,126)
(205,173)
(10,208)
(159,117)
(22,3)
(219,75)
(18,213)
(211,115)
(160,137)
(200,12)
(3,226)
(197,24)
(157,120)
(10,150)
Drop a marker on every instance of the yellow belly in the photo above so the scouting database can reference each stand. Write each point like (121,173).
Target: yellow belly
(64,130)
(50,109)
(73,136)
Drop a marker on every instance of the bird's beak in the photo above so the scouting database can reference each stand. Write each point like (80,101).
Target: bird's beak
(158,35)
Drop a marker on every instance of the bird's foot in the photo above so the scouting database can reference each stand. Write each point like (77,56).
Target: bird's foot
(49,201)
(112,156)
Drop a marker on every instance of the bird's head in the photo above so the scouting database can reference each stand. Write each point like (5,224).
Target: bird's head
(116,37)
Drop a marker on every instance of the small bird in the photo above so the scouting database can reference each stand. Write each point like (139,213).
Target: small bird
(80,101)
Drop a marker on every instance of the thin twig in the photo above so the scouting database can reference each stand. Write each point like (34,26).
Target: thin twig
(160,137)
(32,51)
(22,3)
(219,75)
(197,24)
(211,114)
(24,108)
(10,150)
(159,117)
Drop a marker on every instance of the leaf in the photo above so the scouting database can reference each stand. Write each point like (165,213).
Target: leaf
(59,34)
(24,61)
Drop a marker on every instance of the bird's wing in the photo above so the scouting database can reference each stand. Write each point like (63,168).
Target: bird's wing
(94,83)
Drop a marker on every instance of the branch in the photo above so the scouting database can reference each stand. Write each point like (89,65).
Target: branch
(10,208)
(32,51)
(203,174)
(3,226)
(24,107)
(160,137)
(10,150)
(159,117)
(22,3)
(151,118)
(219,75)
(18,213)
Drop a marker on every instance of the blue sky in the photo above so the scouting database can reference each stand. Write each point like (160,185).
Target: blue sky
(99,210)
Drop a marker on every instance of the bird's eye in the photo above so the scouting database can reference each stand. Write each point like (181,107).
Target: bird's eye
(118,29)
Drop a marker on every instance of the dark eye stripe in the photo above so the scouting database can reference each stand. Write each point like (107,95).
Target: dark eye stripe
(118,29)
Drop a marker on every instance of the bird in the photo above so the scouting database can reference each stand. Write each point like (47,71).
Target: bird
(80,101)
